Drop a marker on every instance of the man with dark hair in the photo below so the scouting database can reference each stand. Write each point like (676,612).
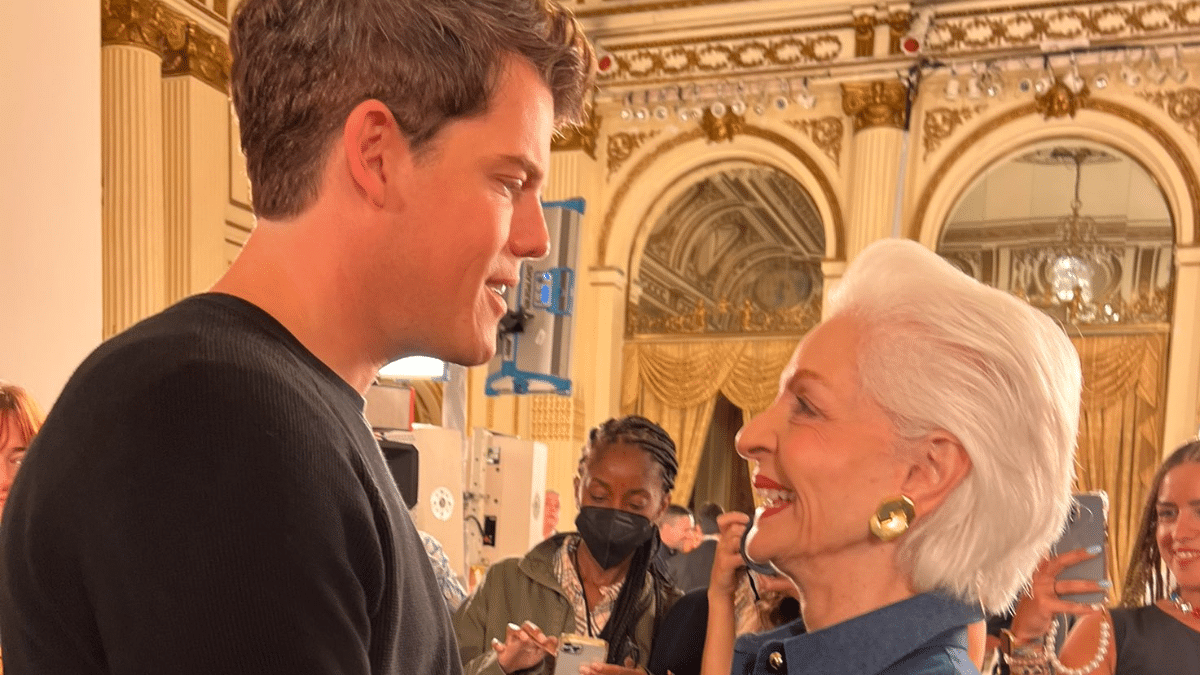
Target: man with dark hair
(691,570)
(206,496)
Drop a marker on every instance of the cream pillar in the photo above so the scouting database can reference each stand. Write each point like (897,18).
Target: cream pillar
(608,291)
(131,137)
(878,110)
(1182,416)
(831,273)
(195,117)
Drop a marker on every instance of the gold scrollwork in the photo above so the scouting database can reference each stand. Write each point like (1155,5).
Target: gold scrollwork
(1060,101)
(826,132)
(898,23)
(864,35)
(940,124)
(1020,28)
(726,317)
(1183,106)
(722,128)
(199,54)
(579,136)
(712,57)
(875,104)
(138,23)
(621,146)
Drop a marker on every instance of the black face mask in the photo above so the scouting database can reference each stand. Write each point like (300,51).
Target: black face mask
(612,535)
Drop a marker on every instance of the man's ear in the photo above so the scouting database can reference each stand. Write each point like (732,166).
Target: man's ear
(369,137)
(939,465)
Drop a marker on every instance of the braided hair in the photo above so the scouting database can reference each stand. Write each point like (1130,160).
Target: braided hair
(644,567)
(1144,580)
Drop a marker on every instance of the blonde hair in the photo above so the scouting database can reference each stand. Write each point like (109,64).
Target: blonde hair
(18,405)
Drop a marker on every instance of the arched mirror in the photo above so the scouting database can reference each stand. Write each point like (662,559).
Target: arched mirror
(1082,232)
(729,275)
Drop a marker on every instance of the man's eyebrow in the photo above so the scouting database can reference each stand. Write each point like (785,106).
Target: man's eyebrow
(532,172)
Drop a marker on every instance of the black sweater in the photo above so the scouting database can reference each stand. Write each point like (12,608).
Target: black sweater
(206,497)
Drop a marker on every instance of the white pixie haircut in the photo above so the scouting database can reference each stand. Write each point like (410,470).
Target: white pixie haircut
(940,350)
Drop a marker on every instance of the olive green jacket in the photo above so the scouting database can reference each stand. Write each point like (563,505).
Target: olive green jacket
(525,589)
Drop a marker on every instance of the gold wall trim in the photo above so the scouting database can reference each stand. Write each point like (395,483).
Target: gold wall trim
(219,10)
(578,136)
(650,7)
(1099,105)
(621,146)
(622,191)
(864,35)
(1015,26)
(1060,101)
(1182,105)
(728,54)
(940,123)
(199,54)
(898,23)
(826,132)
(876,104)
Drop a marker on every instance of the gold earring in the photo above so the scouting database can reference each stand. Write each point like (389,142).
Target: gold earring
(892,518)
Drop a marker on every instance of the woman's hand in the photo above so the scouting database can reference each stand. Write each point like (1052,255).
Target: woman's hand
(1038,606)
(524,647)
(630,668)
(727,560)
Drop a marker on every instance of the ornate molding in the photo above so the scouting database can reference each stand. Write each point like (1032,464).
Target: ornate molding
(826,133)
(1022,27)
(1182,105)
(718,55)
(726,318)
(864,35)
(875,104)
(722,128)
(621,146)
(579,136)
(552,417)
(136,23)
(898,23)
(940,124)
(1060,101)
(199,54)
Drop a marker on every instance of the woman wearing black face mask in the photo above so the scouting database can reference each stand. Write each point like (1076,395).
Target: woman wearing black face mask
(599,581)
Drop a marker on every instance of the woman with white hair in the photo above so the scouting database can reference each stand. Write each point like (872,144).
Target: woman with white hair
(914,467)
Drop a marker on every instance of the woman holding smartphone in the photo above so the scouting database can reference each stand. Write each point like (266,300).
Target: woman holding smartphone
(1156,631)
(599,582)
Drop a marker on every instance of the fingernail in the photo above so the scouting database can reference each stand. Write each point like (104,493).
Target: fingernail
(1095,549)
(495,642)
(1105,583)
(513,626)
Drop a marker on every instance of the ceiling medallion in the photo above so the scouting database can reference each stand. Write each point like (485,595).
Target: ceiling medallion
(1060,101)
(722,128)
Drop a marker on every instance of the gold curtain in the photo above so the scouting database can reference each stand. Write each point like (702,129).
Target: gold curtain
(1120,430)
(427,402)
(676,384)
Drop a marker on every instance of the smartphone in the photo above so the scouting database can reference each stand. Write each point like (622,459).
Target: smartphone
(767,568)
(574,651)
(1086,526)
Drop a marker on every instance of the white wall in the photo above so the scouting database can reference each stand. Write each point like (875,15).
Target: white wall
(50,303)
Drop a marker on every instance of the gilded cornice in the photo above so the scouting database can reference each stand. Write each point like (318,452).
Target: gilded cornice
(825,132)
(875,104)
(898,23)
(722,128)
(621,146)
(775,138)
(940,124)
(1031,25)
(1182,105)
(736,54)
(199,54)
(136,23)
(1095,104)
(864,35)
(1060,101)
(578,136)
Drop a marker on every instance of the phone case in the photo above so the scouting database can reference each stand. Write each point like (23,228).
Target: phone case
(576,650)
(1087,526)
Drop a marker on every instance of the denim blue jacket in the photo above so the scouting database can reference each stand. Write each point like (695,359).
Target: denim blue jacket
(923,635)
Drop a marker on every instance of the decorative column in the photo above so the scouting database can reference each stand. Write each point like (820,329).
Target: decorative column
(1182,415)
(608,293)
(831,274)
(195,71)
(131,37)
(879,111)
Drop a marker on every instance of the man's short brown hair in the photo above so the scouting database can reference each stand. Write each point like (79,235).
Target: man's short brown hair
(301,66)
